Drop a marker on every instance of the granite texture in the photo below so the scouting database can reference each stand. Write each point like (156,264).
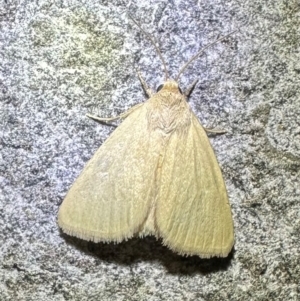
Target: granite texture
(62,59)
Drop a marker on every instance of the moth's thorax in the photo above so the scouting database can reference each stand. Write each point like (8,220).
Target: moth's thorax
(168,110)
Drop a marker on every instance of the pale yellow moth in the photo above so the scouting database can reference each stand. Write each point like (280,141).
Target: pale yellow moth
(157,175)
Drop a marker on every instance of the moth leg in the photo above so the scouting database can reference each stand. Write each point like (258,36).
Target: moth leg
(121,116)
(190,89)
(147,90)
(214,131)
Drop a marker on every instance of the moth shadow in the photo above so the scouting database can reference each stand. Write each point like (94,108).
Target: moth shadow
(151,250)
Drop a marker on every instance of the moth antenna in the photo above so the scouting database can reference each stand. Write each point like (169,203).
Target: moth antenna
(200,52)
(153,42)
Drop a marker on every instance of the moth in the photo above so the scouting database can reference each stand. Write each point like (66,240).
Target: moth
(156,175)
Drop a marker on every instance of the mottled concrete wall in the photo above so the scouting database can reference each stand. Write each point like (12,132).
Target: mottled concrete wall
(62,59)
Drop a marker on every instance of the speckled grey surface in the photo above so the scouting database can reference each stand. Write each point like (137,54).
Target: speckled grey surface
(62,59)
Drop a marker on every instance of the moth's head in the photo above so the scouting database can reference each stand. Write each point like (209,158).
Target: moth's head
(169,86)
